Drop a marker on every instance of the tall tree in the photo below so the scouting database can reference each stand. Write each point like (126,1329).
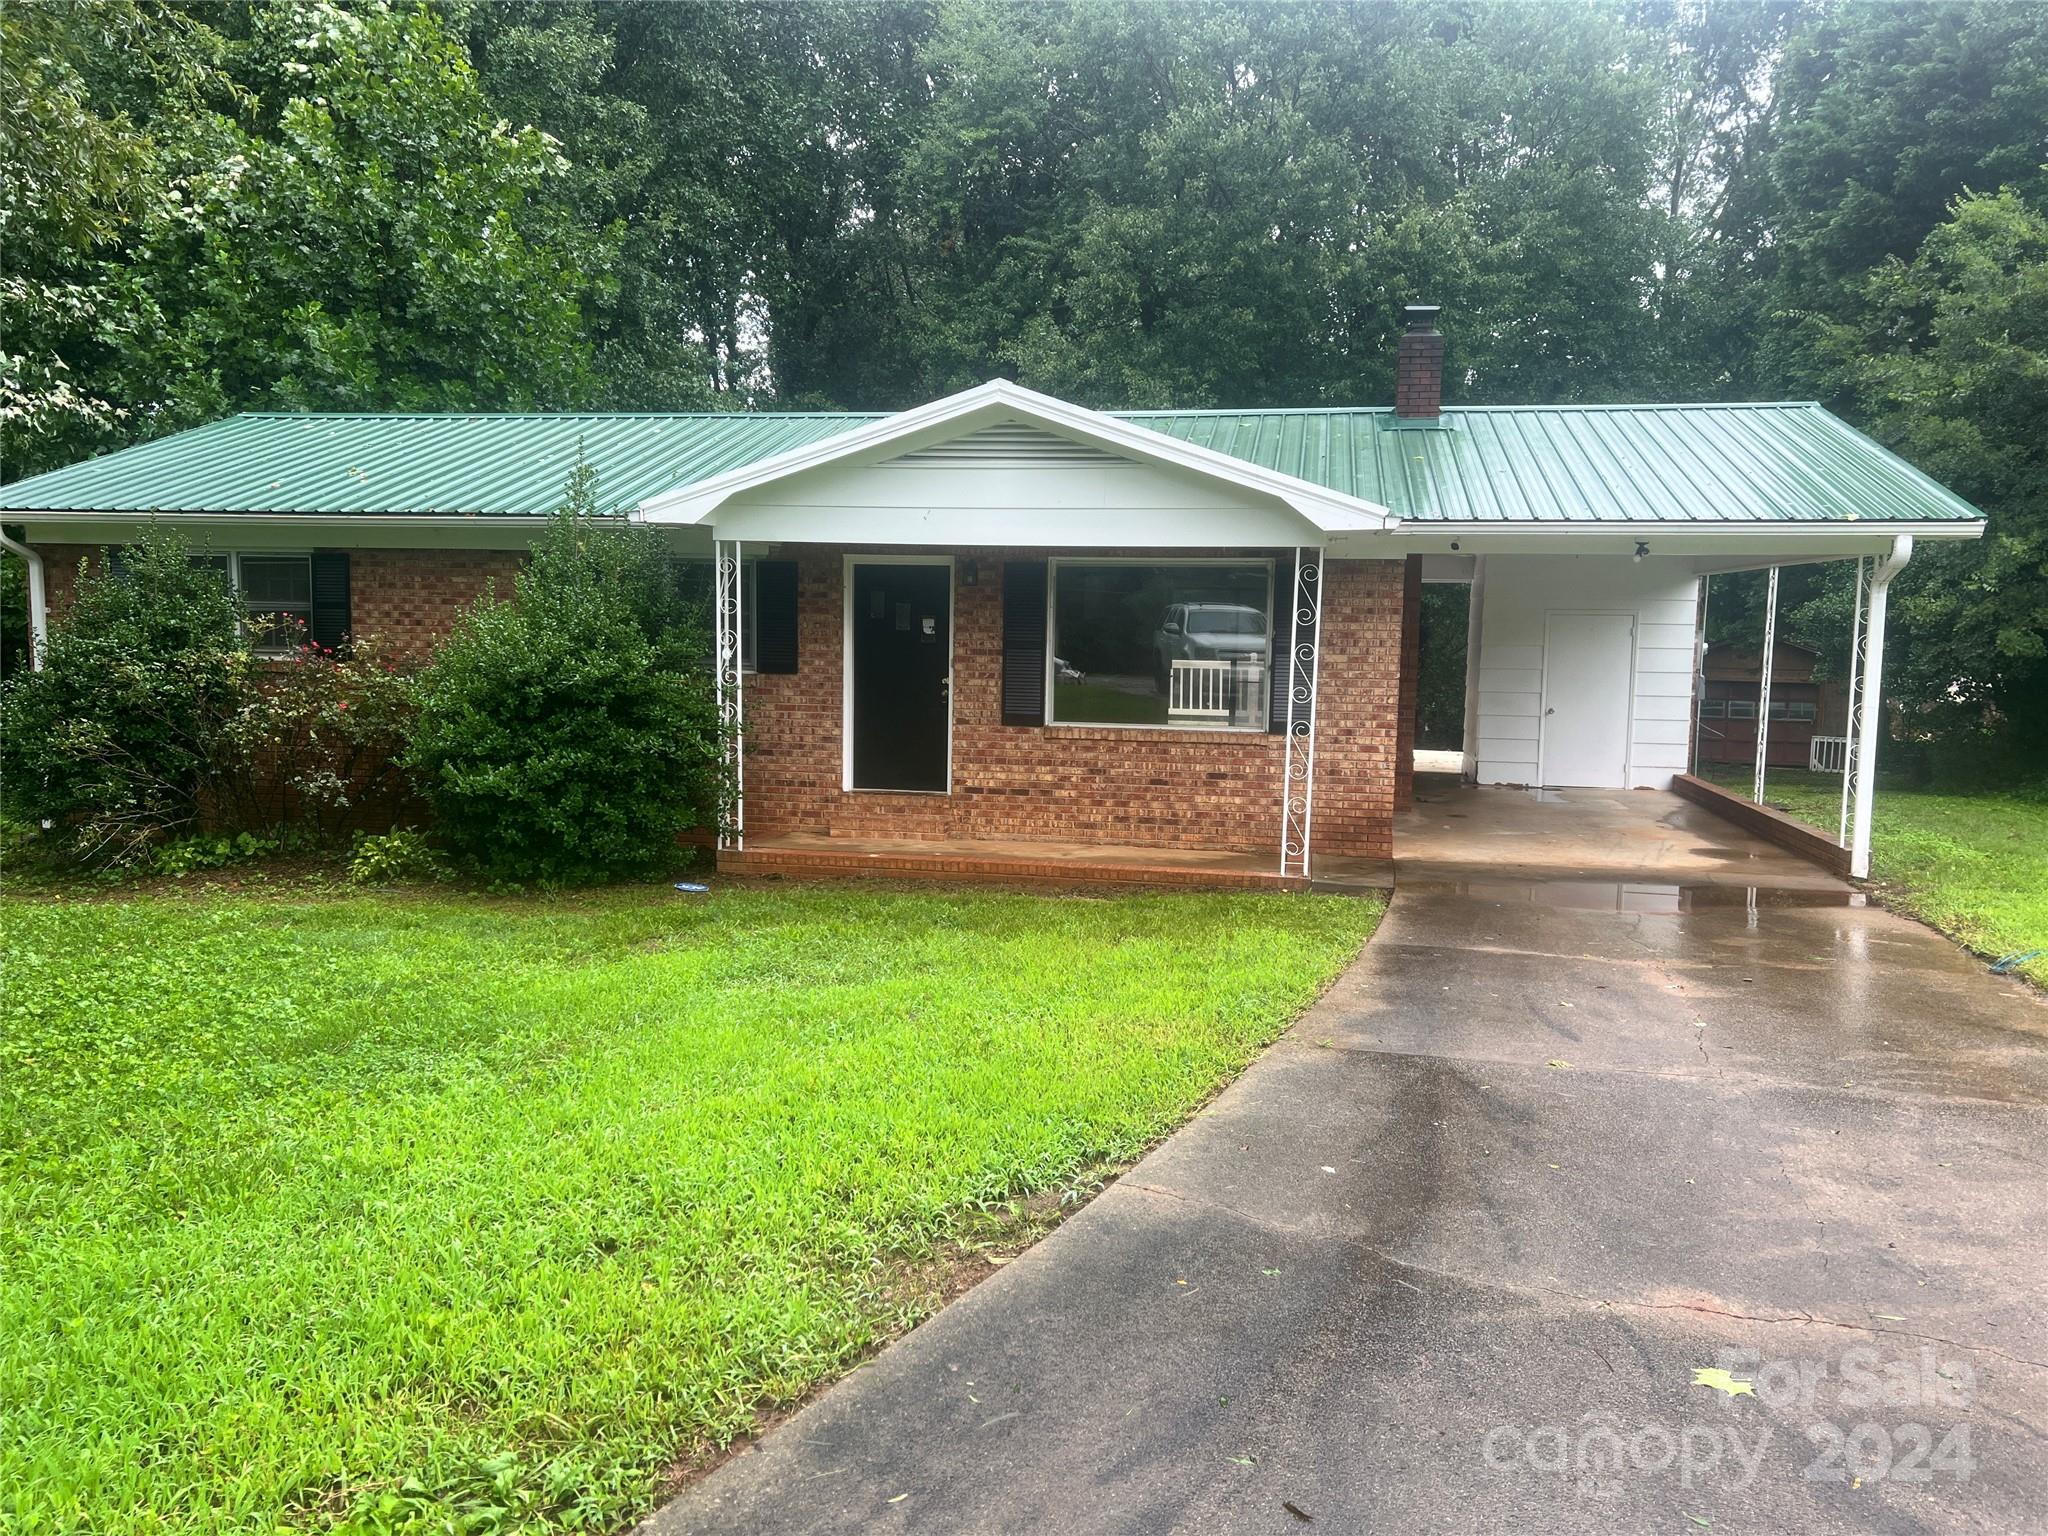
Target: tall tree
(76,184)
(1884,115)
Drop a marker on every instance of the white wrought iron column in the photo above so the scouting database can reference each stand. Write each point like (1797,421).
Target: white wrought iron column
(1873,702)
(1853,723)
(1304,649)
(1763,700)
(1699,671)
(729,619)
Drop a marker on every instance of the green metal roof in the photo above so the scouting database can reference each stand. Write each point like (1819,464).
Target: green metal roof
(1501,464)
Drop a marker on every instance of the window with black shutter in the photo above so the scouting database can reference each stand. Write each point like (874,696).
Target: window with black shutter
(774,616)
(1023,642)
(1285,635)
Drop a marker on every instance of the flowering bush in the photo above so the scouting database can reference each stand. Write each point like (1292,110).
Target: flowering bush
(315,744)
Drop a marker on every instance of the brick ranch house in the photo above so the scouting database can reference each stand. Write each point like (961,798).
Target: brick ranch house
(1004,624)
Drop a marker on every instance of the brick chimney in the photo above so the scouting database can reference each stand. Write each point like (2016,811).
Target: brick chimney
(1419,366)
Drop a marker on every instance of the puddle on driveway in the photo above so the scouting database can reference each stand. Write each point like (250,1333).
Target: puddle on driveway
(1637,895)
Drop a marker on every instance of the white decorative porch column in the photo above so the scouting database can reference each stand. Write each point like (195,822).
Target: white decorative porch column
(1298,786)
(1763,693)
(1873,701)
(728,610)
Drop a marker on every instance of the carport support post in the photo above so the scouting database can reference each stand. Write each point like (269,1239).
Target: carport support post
(728,613)
(1873,701)
(1763,699)
(1851,725)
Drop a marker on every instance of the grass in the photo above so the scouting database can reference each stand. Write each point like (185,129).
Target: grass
(457,1214)
(1973,866)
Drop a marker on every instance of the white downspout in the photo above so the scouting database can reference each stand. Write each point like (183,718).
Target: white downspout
(38,598)
(1873,702)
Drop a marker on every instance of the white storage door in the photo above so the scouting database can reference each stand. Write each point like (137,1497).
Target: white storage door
(1588,677)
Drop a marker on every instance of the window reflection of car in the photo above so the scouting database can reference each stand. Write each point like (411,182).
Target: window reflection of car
(1208,632)
(1066,671)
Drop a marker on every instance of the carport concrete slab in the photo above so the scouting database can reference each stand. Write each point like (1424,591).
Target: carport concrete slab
(1592,836)
(1406,1275)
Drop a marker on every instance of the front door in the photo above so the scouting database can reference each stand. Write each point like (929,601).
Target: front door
(1588,667)
(902,675)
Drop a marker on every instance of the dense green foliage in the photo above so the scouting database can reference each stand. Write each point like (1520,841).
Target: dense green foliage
(1974,866)
(451,1216)
(864,205)
(570,734)
(154,734)
(123,734)
(272,203)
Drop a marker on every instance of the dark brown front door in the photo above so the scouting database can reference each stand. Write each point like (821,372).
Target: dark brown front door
(902,666)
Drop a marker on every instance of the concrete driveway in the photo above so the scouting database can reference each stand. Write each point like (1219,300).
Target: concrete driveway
(1615,1094)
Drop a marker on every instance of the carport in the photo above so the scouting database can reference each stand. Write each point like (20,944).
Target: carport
(1586,646)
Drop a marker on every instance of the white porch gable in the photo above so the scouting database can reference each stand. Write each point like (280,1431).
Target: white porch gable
(1003,465)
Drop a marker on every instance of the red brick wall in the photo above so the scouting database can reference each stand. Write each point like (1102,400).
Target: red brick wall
(60,572)
(1067,783)
(1411,683)
(1078,783)
(404,599)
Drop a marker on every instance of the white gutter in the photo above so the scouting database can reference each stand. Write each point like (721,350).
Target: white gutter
(38,598)
(1651,533)
(507,520)
(1873,703)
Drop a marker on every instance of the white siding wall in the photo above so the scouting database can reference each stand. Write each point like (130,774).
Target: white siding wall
(1100,505)
(1517,593)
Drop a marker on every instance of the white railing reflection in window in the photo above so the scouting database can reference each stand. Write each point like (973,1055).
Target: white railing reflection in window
(1223,692)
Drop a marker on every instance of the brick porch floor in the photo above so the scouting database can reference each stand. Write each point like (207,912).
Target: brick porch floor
(809,854)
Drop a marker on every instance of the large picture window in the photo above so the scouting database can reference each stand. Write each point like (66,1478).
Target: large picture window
(1181,643)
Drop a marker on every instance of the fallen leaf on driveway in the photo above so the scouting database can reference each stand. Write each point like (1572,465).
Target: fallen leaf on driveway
(1295,1510)
(1557,1063)
(1713,1376)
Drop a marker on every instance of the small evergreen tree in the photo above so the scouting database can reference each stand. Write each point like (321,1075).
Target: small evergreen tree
(570,734)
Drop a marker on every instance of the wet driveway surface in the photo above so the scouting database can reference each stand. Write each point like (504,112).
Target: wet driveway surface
(1448,1257)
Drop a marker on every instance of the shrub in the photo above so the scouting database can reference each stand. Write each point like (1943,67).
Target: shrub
(566,736)
(315,744)
(391,858)
(182,856)
(120,740)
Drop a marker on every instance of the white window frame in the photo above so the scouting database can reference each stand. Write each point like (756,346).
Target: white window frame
(234,559)
(1052,638)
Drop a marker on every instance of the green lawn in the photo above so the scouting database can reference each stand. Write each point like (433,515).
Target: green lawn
(1973,866)
(474,1214)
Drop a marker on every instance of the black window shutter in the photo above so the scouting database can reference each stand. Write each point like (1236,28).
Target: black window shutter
(775,616)
(117,561)
(1024,642)
(1283,632)
(331,622)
